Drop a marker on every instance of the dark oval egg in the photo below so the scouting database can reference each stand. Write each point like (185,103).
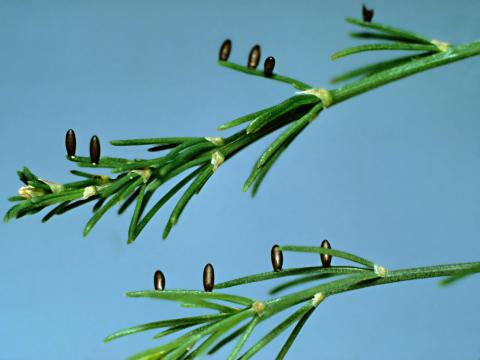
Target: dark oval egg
(208,277)
(94,150)
(277,258)
(159,280)
(70,143)
(269,65)
(225,50)
(254,57)
(367,14)
(326,259)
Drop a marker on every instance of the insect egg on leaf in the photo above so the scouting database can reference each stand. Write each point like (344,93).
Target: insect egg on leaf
(277,258)
(159,280)
(269,65)
(254,57)
(70,143)
(326,259)
(94,150)
(225,50)
(208,277)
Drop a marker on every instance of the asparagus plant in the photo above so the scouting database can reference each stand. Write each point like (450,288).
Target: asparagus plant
(195,159)
(235,318)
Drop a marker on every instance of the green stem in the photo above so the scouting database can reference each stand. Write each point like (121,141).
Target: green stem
(454,53)
(359,281)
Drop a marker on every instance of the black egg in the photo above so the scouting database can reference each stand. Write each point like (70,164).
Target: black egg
(208,277)
(277,258)
(326,259)
(70,143)
(254,57)
(159,280)
(367,14)
(225,50)
(269,65)
(94,150)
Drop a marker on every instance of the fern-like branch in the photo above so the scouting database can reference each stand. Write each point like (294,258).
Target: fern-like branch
(195,159)
(238,321)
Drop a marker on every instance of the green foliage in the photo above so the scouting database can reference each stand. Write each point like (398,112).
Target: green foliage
(236,317)
(138,180)
(195,160)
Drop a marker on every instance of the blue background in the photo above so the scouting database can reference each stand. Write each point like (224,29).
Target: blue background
(392,175)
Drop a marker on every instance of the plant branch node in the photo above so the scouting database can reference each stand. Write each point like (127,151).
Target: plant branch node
(55,187)
(104,179)
(89,191)
(215,140)
(145,174)
(30,191)
(441,45)
(258,307)
(380,270)
(217,160)
(323,94)
(317,299)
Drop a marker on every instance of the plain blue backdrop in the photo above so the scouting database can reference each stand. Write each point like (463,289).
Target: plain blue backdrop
(392,175)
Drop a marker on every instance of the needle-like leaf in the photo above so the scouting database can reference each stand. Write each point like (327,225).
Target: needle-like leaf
(385,46)
(276,111)
(152,141)
(191,296)
(158,205)
(380,36)
(258,173)
(227,339)
(55,210)
(333,270)
(461,275)
(127,188)
(209,305)
(187,321)
(293,335)
(387,29)
(332,252)
(194,188)
(277,330)
(184,154)
(243,339)
(243,119)
(136,213)
(295,83)
(299,281)
(375,68)
(171,330)
(83,174)
(210,328)
(291,131)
